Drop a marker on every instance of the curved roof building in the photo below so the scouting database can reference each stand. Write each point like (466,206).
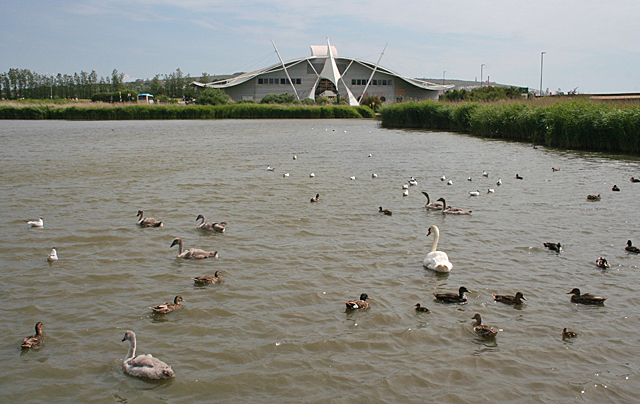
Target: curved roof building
(324,73)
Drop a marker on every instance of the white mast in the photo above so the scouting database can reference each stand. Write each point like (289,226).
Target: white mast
(372,73)
(285,71)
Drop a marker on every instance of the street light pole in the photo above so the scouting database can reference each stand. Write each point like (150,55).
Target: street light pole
(541,64)
(481,69)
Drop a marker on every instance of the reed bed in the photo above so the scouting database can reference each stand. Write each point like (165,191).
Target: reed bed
(160,112)
(577,125)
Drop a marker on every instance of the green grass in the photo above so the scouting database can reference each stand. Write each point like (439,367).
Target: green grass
(579,125)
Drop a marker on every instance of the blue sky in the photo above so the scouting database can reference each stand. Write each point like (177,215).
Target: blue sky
(591,45)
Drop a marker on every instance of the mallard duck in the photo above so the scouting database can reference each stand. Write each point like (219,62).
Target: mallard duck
(192,253)
(453,297)
(143,365)
(420,309)
(632,249)
(553,246)
(34,341)
(361,304)
(585,298)
(615,188)
(206,279)
(483,330)
(516,300)
(568,334)
(147,221)
(215,226)
(593,197)
(635,179)
(602,263)
(316,198)
(36,223)
(385,211)
(53,255)
(518,177)
(168,307)
(432,206)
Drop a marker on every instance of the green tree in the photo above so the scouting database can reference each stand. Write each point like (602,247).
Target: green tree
(213,96)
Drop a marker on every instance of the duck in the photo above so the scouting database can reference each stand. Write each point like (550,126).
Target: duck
(35,340)
(554,169)
(147,221)
(215,226)
(312,175)
(385,211)
(553,246)
(483,330)
(491,191)
(506,299)
(36,223)
(370,155)
(432,206)
(450,182)
(593,197)
(145,366)
(206,279)
(168,307)
(269,168)
(374,175)
(353,177)
(436,260)
(631,248)
(285,175)
(602,263)
(53,255)
(405,186)
(499,182)
(635,179)
(484,174)
(405,192)
(615,188)
(360,304)
(453,297)
(474,193)
(453,210)
(586,298)
(192,253)
(518,177)
(443,178)
(568,334)
(295,157)
(315,198)
(469,179)
(412,182)
(421,309)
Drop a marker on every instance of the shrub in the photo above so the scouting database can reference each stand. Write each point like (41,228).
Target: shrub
(285,98)
(372,101)
(213,96)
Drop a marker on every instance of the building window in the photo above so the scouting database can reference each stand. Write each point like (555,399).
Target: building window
(389,82)
(283,81)
(353,82)
(298,81)
(260,81)
(374,82)
(270,81)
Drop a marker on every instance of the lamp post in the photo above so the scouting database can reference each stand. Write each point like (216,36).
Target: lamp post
(541,64)
(481,69)
(443,76)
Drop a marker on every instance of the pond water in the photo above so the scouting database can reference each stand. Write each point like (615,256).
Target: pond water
(276,328)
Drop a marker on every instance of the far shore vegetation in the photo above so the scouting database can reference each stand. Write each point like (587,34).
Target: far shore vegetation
(566,121)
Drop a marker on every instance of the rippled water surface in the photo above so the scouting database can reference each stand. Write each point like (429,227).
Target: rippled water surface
(276,329)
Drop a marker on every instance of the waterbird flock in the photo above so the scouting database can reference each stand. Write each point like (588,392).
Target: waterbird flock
(146,366)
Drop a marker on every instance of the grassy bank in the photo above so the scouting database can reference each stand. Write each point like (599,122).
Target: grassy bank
(142,112)
(577,125)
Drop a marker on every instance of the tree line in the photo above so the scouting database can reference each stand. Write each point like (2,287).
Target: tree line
(25,84)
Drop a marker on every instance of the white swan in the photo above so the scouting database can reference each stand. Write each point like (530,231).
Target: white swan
(144,365)
(53,255)
(36,223)
(437,260)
